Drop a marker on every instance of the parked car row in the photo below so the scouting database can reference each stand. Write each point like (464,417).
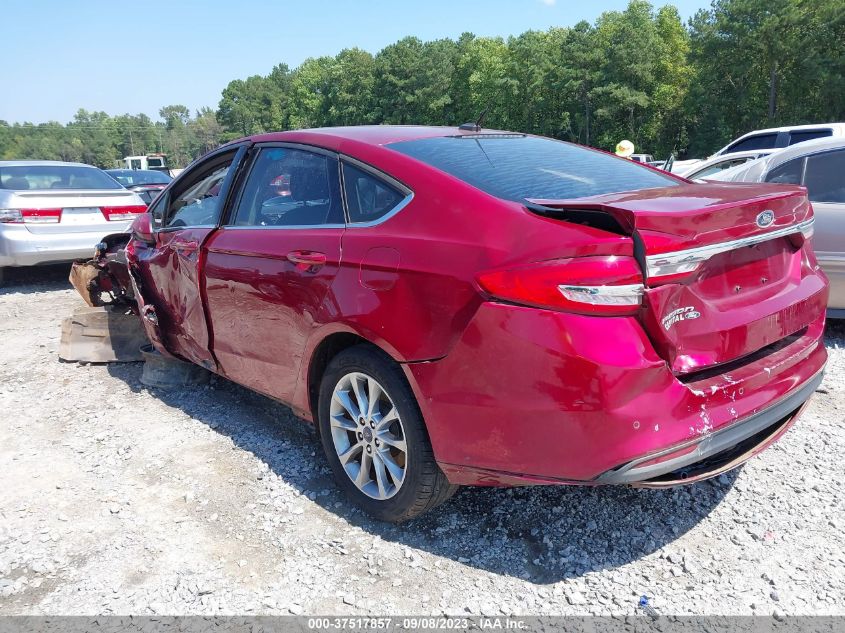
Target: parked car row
(56,212)
(757,142)
(457,306)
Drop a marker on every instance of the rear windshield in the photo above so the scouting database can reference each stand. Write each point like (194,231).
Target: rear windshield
(129,177)
(516,167)
(24,177)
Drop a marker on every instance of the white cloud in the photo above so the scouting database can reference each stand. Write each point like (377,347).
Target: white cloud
(549,3)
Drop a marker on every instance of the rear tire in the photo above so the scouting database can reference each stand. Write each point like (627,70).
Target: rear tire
(379,453)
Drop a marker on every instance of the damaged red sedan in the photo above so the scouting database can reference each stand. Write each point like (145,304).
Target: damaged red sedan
(460,306)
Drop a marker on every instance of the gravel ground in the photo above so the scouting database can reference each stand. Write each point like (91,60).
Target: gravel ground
(118,499)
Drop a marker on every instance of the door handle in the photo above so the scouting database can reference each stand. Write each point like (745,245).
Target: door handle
(307,260)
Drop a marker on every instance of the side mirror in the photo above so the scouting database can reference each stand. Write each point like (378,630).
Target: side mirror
(142,229)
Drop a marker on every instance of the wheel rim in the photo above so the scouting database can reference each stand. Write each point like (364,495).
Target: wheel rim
(368,436)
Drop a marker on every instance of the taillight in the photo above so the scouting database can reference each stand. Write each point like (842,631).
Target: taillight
(30,216)
(605,286)
(115,214)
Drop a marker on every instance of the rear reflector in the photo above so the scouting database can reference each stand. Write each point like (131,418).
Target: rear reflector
(30,216)
(603,286)
(115,214)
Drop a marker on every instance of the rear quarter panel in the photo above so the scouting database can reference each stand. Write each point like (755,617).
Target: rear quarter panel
(410,281)
(408,284)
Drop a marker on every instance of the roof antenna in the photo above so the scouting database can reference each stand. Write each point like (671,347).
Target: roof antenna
(476,126)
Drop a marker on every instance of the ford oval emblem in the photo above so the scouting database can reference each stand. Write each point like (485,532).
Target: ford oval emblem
(765,218)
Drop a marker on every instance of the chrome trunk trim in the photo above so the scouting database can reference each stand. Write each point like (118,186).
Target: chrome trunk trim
(687,260)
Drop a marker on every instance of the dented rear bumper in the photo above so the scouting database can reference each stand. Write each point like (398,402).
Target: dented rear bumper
(555,398)
(717,452)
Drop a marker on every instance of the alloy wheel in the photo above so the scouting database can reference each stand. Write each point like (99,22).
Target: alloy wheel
(368,435)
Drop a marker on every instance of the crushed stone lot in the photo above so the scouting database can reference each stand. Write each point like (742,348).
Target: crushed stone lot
(117,499)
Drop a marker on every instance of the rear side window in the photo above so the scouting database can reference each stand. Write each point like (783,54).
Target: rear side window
(808,135)
(788,173)
(825,176)
(759,141)
(516,167)
(368,198)
(291,187)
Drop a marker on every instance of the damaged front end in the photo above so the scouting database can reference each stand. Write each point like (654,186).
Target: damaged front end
(108,329)
(104,280)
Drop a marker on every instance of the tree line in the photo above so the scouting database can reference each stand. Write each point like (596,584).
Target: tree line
(640,74)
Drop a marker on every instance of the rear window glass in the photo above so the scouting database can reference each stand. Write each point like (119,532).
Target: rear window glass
(24,177)
(129,177)
(516,167)
(808,135)
(760,141)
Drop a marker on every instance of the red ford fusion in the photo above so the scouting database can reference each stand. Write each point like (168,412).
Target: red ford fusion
(457,306)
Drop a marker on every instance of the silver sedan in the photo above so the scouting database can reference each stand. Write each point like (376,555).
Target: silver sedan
(56,212)
(819,165)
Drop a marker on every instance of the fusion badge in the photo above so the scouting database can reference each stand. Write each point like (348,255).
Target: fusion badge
(681,314)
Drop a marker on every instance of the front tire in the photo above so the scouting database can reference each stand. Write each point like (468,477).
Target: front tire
(375,439)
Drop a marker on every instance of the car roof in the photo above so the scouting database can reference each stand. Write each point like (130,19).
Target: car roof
(371,134)
(35,163)
(804,148)
(791,128)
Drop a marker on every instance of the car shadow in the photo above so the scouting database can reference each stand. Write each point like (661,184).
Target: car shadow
(540,534)
(28,279)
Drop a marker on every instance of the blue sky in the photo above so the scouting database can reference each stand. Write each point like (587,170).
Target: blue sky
(61,55)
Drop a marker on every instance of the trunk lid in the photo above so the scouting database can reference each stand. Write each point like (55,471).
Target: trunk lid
(80,208)
(726,269)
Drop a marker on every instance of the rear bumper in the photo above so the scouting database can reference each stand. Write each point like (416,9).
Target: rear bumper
(707,457)
(530,396)
(19,247)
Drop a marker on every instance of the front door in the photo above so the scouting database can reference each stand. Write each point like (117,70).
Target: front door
(169,270)
(270,266)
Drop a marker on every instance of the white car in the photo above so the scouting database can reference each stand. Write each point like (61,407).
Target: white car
(707,169)
(56,212)
(820,166)
(780,137)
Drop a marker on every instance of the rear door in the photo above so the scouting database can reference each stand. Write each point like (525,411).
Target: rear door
(169,269)
(270,266)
